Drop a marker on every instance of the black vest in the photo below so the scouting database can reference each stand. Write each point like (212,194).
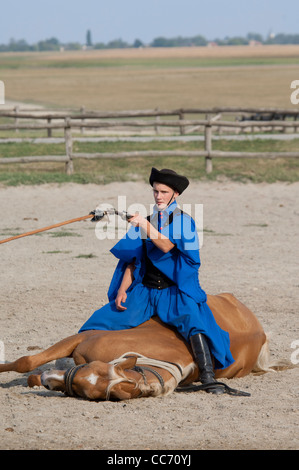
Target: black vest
(153,277)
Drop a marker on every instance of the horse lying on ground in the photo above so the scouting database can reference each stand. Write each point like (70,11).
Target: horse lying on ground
(149,360)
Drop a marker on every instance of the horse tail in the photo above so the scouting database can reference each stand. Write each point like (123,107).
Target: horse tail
(265,364)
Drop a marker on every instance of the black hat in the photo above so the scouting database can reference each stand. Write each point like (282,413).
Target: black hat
(170,178)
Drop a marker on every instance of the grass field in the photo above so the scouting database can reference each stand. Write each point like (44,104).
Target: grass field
(154,77)
(145,79)
(106,171)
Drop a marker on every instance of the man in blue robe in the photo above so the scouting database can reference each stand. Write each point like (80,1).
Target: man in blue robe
(157,274)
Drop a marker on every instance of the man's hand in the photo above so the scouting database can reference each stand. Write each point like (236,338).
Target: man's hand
(120,298)
(138,221)
(162,242)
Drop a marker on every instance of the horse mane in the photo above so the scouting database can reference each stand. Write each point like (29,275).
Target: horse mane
(177,372)
(116,378)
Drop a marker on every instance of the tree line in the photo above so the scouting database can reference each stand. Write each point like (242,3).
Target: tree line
(53,44)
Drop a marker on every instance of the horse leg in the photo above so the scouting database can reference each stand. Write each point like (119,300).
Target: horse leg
(63,348)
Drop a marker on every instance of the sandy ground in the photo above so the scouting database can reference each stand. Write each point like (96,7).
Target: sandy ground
(250,248)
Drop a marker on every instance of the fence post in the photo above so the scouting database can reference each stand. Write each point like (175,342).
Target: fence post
(49,130)
(69,167)
(157,130)
(181,118)
(208,147)
(17,109)
(82,109)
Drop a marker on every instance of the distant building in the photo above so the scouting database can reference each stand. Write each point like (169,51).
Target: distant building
(254,43)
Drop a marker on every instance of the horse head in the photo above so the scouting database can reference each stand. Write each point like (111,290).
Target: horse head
(96,380)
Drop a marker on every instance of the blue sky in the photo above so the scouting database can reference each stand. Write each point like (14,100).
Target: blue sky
(68,20)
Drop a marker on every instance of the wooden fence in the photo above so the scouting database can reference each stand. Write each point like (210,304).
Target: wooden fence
(83,120)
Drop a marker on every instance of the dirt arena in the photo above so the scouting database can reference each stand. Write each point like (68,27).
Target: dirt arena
(51,284)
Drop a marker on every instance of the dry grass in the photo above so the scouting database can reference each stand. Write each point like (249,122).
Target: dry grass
(110,89)
(262,51)
(150,78)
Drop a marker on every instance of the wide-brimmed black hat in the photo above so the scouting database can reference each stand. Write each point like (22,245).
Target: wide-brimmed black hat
(169,177)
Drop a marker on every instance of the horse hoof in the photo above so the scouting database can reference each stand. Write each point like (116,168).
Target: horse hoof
(34,380)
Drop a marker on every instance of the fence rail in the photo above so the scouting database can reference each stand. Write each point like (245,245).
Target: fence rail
(126,119)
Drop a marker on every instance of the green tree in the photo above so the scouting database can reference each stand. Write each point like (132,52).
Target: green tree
(117,44)
(51,44)
(255,37)
(137,43)
(88,38)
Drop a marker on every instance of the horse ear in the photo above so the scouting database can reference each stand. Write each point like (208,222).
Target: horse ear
(127,364)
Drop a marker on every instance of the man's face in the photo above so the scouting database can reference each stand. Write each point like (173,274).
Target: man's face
(163,195)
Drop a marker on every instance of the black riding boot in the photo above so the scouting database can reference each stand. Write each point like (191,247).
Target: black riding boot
(203,359)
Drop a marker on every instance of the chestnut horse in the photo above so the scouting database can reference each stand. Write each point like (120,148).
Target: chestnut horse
(149,360)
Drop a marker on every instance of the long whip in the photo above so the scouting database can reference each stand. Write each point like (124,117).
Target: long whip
(95,216)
